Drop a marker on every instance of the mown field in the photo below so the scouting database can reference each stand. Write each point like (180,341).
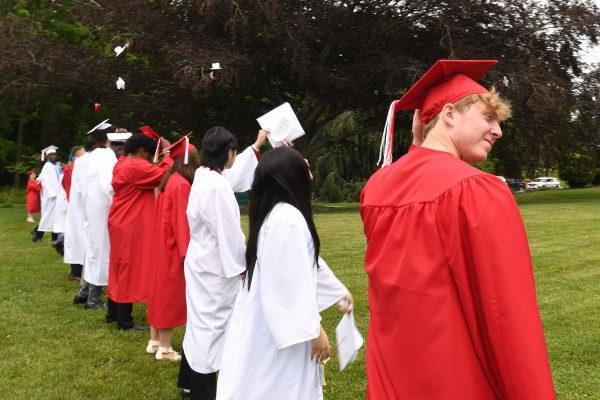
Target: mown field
(52,349)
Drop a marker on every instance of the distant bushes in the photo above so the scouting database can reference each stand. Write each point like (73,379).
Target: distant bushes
(10,197)
(579,170)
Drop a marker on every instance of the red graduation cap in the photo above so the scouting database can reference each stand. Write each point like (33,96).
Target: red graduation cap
(181,148)
(149,132)
(445,82)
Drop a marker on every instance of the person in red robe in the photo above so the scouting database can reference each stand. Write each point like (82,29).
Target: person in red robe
(32,190)
(453,311)
(130,221)
(166,302)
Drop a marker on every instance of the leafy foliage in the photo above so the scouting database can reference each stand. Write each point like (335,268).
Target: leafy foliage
(339,63)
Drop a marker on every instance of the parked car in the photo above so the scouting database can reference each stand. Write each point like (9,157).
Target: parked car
(516,184)
(544,182)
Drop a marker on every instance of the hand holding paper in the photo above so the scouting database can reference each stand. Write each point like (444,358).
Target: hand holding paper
(282,124)
(348,339)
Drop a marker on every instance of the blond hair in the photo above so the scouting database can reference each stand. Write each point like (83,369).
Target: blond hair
(499,108)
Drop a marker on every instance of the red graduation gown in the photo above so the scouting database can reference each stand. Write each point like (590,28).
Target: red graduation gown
(130,222)
(166,300)
(453,312)
(66,180)
(33,190)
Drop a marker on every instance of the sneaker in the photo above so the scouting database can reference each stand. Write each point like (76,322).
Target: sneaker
(79,300)
(31,220)
(99,305)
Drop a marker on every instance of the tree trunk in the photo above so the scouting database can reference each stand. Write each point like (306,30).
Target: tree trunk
(20,139)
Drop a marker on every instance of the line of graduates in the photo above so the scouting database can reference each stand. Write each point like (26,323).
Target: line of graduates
(168,234)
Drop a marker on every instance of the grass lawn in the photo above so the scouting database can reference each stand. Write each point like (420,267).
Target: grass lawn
(52,349)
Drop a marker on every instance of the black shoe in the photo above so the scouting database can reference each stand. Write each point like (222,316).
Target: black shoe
(134,327)
(79,300)
(99,305)
(186,394)
(110,320)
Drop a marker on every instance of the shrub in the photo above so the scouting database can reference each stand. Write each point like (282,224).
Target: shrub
(577,169)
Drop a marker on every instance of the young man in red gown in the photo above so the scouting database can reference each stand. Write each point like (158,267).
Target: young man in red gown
(453,311)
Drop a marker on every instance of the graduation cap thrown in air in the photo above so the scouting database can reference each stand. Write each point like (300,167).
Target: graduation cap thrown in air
(102,125)
(447,81)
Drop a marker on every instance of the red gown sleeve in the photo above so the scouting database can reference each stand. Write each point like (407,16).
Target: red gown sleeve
(146,175)
(179,222)
(487,250)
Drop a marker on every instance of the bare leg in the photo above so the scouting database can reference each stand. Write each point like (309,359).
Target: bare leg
(153,342)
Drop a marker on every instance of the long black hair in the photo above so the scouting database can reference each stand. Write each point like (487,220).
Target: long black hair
(282,175)
(216,144)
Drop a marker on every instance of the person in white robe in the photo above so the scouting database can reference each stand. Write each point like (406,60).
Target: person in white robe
(53,196)
(275,345)
(98,198)
(74,241)
(215,256)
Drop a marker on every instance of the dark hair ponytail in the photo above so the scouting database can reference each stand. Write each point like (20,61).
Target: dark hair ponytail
(282,175)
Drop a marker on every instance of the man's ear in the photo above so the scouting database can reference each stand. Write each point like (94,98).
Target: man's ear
(449,114)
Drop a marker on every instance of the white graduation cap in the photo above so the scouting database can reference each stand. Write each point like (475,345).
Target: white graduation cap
(348,340)
(118,136)
(120,83)
(120,49)
(282,125)
(215,66)
(48,150)
(102,125)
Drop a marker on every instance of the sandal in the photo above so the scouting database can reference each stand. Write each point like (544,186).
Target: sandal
(167,353)
(153,346)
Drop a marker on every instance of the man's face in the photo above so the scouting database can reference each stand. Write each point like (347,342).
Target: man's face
(52,157)
(475,133)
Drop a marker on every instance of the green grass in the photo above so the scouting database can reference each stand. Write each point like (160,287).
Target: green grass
(52,349)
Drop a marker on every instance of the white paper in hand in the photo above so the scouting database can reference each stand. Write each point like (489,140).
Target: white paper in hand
(282,124)
(349,340)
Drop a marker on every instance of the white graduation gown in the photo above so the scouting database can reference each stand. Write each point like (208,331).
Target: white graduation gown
(268,342)
(75,244)
(53,199)
(97,204)
(214,260)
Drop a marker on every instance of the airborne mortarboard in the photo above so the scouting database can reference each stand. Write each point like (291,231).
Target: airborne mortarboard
(102,125)
(48,150)
(447,81)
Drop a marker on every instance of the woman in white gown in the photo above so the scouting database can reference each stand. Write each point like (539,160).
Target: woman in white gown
(275,343)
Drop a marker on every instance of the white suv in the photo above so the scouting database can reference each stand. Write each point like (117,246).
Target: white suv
(544,182)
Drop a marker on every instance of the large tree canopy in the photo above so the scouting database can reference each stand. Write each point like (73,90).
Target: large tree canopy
(339,63)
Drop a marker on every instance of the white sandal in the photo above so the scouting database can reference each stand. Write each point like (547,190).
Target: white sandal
(163,351)
(153,346)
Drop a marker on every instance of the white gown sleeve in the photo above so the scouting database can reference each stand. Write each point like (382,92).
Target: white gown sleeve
(241,173)
(225,223)
(287,283)
(329,288)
